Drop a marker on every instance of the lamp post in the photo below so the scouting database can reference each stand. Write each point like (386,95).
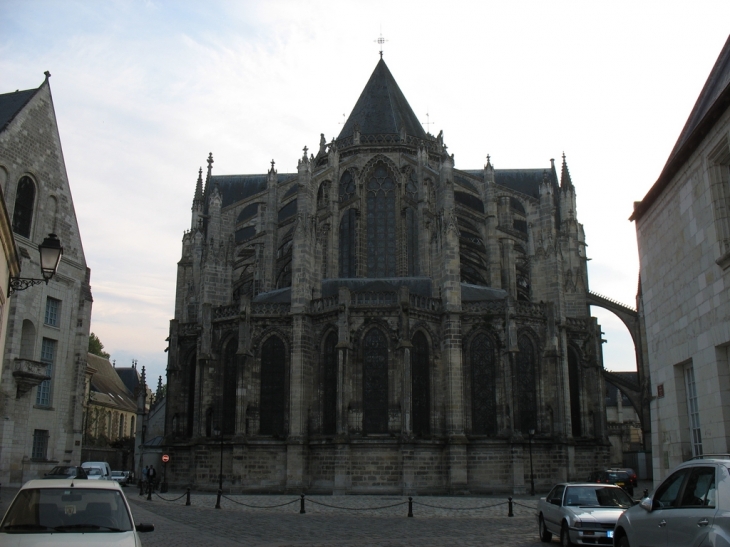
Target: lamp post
(532,475)
(50,254)
(219,433)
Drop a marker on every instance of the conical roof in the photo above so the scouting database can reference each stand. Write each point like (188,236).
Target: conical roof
(382,108)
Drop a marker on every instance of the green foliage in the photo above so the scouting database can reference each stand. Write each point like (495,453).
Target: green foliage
(96,347)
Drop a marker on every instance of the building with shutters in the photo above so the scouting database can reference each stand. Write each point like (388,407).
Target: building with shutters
(381,321)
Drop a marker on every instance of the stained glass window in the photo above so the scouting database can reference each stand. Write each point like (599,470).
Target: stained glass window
(412,241)
(525,387)
(375,383)
(381,230)
(483,386)
(348,244)
(273,387)
(412,186)
(23,211)
(420,393)
(230,382)
(574,383)
(329,387)
(347,187)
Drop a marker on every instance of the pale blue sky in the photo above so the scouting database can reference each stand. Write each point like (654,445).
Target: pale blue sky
(144,90)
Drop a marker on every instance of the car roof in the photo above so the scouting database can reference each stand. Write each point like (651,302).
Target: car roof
(66,483)
(589,484)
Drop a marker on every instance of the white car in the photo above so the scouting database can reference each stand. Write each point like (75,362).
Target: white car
(581,513)
(691,507)
(70,512)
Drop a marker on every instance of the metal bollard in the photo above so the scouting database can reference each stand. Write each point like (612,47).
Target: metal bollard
(511,513)
(301,505)
(410,506)
(149,492)
(187,500)
(218,501)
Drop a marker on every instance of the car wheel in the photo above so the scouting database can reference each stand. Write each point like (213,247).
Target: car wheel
(623,542)
(565,536)
(545,535)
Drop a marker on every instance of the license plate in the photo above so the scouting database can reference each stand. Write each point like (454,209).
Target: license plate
(609,534)
(620,484)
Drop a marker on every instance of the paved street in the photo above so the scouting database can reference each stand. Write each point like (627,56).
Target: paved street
(201,524)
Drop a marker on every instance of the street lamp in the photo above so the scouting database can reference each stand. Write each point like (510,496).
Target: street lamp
(51,252)
(219,433)
(532,474)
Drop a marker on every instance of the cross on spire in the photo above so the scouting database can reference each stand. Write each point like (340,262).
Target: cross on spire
(428,123)
(380,41)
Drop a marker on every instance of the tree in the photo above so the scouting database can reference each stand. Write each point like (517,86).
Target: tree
(96,347)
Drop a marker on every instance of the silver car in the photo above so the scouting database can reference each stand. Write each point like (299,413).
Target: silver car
(581,513)
(691,507)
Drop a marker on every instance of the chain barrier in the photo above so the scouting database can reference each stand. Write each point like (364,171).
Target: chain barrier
(525,506)
(459,508)
(175,499)
(357,508)
(259,506)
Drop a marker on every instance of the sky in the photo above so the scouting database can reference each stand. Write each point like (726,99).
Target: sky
(144,90)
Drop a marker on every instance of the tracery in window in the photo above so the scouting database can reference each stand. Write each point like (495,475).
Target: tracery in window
(329,385)
(420,390)
(230,383)
(412,186)
(412,241)
(348,244)
(375,383)
(347,186)
(273,387)
(191,394)
(525,388)
(574,385)
(483,385)
(23,210)
(381,223)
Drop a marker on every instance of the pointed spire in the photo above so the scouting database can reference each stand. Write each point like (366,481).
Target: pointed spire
(199,186)
(565,181)
(489,162)
(158,394)
(272,171)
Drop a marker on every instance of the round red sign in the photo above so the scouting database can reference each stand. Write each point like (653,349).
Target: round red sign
(165,458)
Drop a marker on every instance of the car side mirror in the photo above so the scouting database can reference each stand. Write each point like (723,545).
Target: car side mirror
(647,505)
(143,527)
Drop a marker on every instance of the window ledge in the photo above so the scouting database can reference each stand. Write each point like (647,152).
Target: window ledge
(724,261)
(43,407)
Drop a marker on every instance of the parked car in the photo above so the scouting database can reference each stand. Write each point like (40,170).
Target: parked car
(690,507)
(82,515)
(122,477)
(66,472)
(632,474)
(581,513)
(609,476)
(98,470)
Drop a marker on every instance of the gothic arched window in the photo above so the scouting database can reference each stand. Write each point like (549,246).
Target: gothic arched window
(230,383)
(412,186)
(574,386)
(23,210)
(348,245)
(525,386)
(420,391)
(329,385)
(375,383)
(191,395)
(273,387)
(412,241)
(483,386)
(347,187)
(381,232)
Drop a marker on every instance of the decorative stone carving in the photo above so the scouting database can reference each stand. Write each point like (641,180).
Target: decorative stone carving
(28,374)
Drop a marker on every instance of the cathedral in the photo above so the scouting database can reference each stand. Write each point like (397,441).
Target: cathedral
(380,321)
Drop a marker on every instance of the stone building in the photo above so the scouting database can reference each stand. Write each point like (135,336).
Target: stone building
(44,359)
(683,234)
(381,321)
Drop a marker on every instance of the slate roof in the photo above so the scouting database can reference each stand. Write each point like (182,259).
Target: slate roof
(382,108)
(107,387)
(12,103)
(477,293)
(234,188)
(416,285)
(525,181)
(713,101)
(129,376)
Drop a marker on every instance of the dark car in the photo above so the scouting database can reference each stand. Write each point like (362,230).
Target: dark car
(631,472)
(619,478)
(66,472)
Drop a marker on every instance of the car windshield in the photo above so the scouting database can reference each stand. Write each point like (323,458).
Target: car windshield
(597,496)
(63,470)
(42,510)
(91,471)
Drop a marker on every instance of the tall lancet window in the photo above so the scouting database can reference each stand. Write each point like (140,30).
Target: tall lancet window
(230,382)
(190,410)
(412,241)
(375,383)
(273,387)
(381,234)
(574,385)
(525,386)
(329,385)
(483,386)
(420,392)
(347,244)
(23,210)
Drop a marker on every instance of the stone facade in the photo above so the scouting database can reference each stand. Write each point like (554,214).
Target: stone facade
(44,360)
(380,321)
(683,233)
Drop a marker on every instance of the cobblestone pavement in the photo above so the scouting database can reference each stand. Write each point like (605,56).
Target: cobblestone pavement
(438,521)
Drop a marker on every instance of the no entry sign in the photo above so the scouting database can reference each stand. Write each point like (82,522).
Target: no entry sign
(165,458)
